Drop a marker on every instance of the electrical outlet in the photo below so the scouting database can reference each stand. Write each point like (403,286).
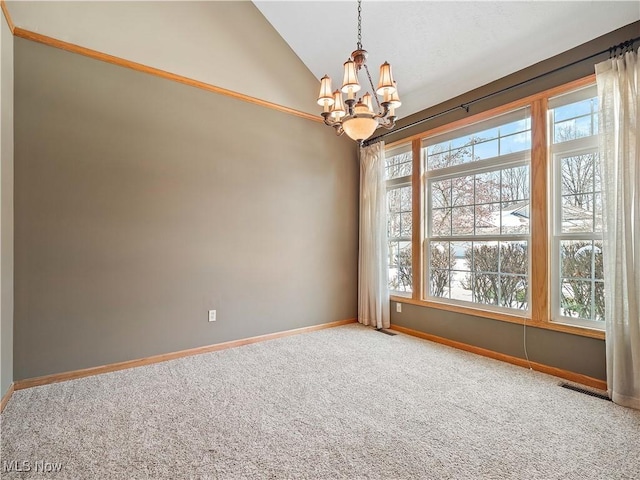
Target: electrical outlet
(398,307)
(212,315)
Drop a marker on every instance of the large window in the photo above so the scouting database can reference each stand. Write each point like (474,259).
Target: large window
(577,276)
(510,213)
(477,213)
(398,169)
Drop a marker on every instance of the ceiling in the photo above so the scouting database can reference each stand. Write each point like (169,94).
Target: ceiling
(441,49)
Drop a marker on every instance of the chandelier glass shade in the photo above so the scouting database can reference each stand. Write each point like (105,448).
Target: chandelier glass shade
(359,118)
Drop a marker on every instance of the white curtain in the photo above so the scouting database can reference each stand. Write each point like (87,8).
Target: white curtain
(619,107)
(373,291)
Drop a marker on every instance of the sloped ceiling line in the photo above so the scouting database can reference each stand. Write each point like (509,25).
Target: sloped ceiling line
(7,15)
(97,54)
(121,62)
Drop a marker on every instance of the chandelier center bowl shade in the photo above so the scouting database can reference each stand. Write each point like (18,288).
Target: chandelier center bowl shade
(359,118)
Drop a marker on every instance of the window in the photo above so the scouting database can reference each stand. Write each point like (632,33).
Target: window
(509,221)
(577,273)
(477,213)
(398,168)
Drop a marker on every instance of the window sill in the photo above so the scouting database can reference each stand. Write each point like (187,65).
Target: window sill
(503,317)
(402,295)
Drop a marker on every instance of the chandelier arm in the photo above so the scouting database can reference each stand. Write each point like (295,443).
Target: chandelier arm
(385,110)
(390,124)
(329,122)
(337,125)
(373,89)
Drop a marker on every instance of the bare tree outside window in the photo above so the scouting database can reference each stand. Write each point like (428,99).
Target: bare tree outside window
(582,291)
(479,205)
(398,168)
(439,275)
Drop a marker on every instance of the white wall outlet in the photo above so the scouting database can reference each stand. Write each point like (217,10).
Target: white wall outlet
(398,307)
(212,315)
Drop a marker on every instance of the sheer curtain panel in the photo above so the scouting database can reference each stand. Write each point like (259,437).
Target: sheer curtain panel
(373,293)
(619,107)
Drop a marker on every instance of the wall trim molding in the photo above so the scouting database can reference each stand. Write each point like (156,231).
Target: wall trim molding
(113,367)
(6,397)
(139,67)
(521,362)
(7,15)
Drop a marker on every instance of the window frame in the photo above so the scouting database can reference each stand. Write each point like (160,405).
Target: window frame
(541,218)
(398,183)
(488,165)
(557,152)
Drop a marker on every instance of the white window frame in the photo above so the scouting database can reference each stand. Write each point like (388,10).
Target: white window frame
(557,151)
(393,184)
(502,162)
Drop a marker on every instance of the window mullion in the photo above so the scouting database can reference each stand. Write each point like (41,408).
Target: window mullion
(487,165)
(539,287)
(416,219)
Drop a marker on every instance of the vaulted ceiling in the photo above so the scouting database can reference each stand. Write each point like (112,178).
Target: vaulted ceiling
(440,49)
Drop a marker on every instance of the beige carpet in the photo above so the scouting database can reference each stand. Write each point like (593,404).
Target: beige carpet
(347,402)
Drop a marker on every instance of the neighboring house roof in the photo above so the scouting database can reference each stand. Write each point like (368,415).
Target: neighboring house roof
(573,218)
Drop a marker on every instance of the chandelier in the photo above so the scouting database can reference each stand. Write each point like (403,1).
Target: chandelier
(358,119)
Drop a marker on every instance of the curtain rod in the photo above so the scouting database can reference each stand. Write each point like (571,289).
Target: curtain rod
(465,106)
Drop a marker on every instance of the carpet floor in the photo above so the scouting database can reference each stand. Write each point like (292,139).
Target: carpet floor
(341,403)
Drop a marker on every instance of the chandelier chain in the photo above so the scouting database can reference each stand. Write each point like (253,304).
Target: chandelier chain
(373,90)
(359,24)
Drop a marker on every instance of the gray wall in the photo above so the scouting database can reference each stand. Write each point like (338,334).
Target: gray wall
(6,206)
(561,350)
(224,43)
(137,211)
(570,352)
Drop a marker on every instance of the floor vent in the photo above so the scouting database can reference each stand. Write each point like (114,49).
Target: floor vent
(586,392)
(388,332)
